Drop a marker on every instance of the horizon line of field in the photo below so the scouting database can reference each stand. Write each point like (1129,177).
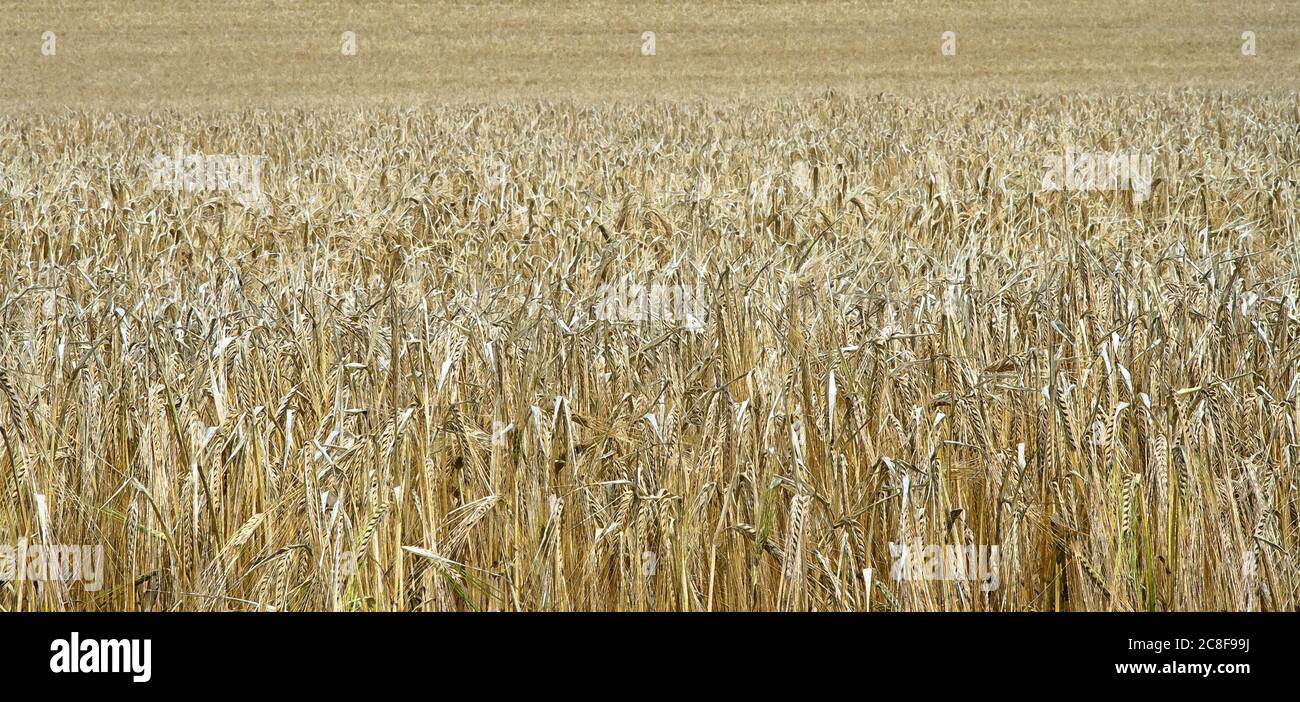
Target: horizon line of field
(646,44)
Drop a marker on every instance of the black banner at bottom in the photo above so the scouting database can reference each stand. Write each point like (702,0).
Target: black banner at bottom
(333,652)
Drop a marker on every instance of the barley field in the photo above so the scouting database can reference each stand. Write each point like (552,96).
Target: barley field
(642,345)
